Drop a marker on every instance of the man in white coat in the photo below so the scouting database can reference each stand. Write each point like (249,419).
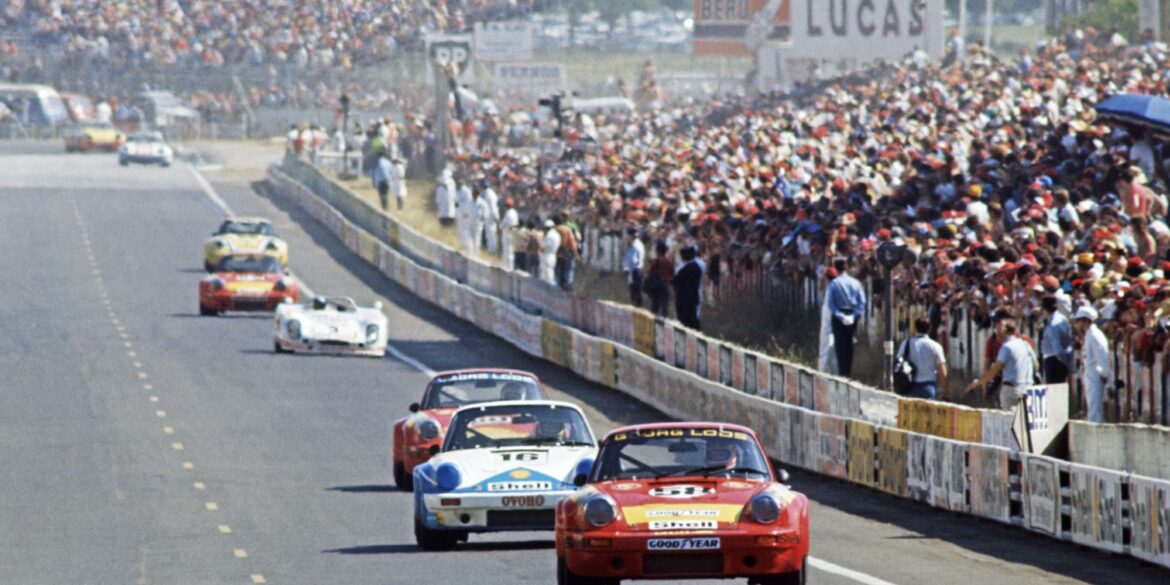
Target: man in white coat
(465,217)
(548,252)
(483,217)
(445,197)
(491,220)
(508,225)
(827,361)
(398,181)
(1096,371)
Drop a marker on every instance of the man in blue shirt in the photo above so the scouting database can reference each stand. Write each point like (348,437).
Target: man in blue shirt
(1055,343)
(846,299)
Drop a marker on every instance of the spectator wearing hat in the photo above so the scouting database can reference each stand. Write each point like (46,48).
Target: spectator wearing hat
(929,360)
(687,282)
(508,227)
(549,245)
(846,299)
(632,263)
(658,277)
(1055,342)
(1095,370)
(1016,361)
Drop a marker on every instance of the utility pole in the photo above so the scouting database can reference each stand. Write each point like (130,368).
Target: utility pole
(988,26)
(961,50)
(345,134)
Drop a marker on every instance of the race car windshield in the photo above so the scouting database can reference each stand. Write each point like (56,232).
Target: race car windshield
(511,425)
(147,138)
(459,390)
(247,228)
(260,264)
(680,452)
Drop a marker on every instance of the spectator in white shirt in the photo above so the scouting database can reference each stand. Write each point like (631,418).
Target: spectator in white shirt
(632,264)
(1095,370)
(930,363)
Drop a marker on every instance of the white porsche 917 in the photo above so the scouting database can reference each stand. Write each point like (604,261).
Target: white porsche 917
(335,325)
(503,466)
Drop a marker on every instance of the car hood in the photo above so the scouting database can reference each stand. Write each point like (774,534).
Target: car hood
(516,468)
(683,504)
(327,325)
(246,242)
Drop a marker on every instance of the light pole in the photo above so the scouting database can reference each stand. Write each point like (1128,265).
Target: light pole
(889,254)
(345,134)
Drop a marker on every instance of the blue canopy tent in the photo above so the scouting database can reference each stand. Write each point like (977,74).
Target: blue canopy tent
(1147,111)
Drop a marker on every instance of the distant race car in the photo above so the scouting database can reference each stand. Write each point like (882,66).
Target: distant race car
(243,235)
(682,501)
(334,325)
(418,434)
(146,147)
(92,135)
(503,466)
(246,282)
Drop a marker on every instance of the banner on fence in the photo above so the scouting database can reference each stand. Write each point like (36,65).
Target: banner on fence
(988,470)
(861,452)
(510,40)
(1149,503)
(834,447)
(892,462)
(555,343)
(917,472)
(1096,507)
(1042,494)
(946,471)
(1045,412)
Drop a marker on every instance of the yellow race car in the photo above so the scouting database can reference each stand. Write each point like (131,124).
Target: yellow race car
(92,135)
(244,235)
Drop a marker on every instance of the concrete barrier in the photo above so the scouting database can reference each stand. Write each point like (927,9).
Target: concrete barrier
(1137,449)
(1097,505)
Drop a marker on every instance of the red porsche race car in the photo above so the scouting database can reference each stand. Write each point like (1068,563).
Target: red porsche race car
(682,501)
(246,282)
(417,437)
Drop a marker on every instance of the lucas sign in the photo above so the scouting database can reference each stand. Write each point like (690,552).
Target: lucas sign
(866,30)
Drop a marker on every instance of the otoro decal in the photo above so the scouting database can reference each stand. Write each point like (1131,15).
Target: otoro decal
(522,501)
(684,525)
(681,491)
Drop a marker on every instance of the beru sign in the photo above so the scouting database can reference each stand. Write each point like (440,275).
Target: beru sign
(866,29)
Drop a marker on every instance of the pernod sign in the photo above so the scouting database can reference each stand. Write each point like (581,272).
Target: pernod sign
(866,30)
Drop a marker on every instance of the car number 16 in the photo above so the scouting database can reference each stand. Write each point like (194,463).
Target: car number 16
(709,543)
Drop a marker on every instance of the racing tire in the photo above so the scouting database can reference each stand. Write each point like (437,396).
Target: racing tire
(401,479)
(206,311)
(278,349)
(207,267)
(165,164)
(567,577)
(794,578)
(123,162)
(428,539)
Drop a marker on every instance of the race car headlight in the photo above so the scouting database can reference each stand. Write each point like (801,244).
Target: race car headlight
(447,476)
(217,284)
(220,244)
(764,508)
(294,329)
(599,511)
(280,286)
(272,247)
(371,333)
(427,430)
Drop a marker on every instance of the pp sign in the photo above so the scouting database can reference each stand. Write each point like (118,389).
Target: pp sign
(450,49)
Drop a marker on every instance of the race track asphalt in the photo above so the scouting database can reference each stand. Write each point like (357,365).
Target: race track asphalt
(143,444)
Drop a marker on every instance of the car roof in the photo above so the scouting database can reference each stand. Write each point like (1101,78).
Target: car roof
(521,403)
(485,371)
(682,425)
(247,219)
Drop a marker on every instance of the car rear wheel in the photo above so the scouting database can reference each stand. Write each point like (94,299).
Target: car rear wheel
(428,539)
(277,348)
(401,479)
(207,311)
(794,578)
(567,577)
(123,162)
(207,267)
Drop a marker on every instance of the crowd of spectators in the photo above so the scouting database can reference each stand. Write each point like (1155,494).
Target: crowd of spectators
(994,174)
(337,33)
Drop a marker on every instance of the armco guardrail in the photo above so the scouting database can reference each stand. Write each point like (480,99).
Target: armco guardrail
(667,340)
(1095,507)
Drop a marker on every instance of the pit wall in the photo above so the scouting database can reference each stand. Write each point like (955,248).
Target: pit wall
(906,448)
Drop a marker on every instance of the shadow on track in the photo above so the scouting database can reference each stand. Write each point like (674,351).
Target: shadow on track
(365,489)
(391,549)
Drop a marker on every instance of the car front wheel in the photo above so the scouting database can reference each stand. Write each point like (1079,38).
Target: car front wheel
(794,578)
(207,311)
(401,479)
(567,577)
(428,539)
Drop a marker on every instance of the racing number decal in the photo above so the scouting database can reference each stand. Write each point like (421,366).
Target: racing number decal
(681,491)
(520,457)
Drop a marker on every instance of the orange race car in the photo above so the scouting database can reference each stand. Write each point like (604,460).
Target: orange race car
(418,436)
(682,501)
(246,282)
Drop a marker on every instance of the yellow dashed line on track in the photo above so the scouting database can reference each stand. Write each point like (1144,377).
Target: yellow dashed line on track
(160,413)
(258,579)
(177,446)
(138,365)
(211,506)
(224,529)
(131,354)
(199,485)
(147,387)
(127,344)
(240,553)
(154,398)
(141,375)
(188,465)
(169,430)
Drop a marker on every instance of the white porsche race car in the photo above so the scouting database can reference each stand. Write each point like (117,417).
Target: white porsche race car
(334,325)
(503,466)
(146,147)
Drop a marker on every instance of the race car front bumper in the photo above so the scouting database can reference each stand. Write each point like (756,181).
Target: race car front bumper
(498,512)
(266,302)
(629,555)
(332,347)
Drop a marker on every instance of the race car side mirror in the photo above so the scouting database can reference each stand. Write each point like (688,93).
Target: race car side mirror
(413,407)
(784,477)
(434,450)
